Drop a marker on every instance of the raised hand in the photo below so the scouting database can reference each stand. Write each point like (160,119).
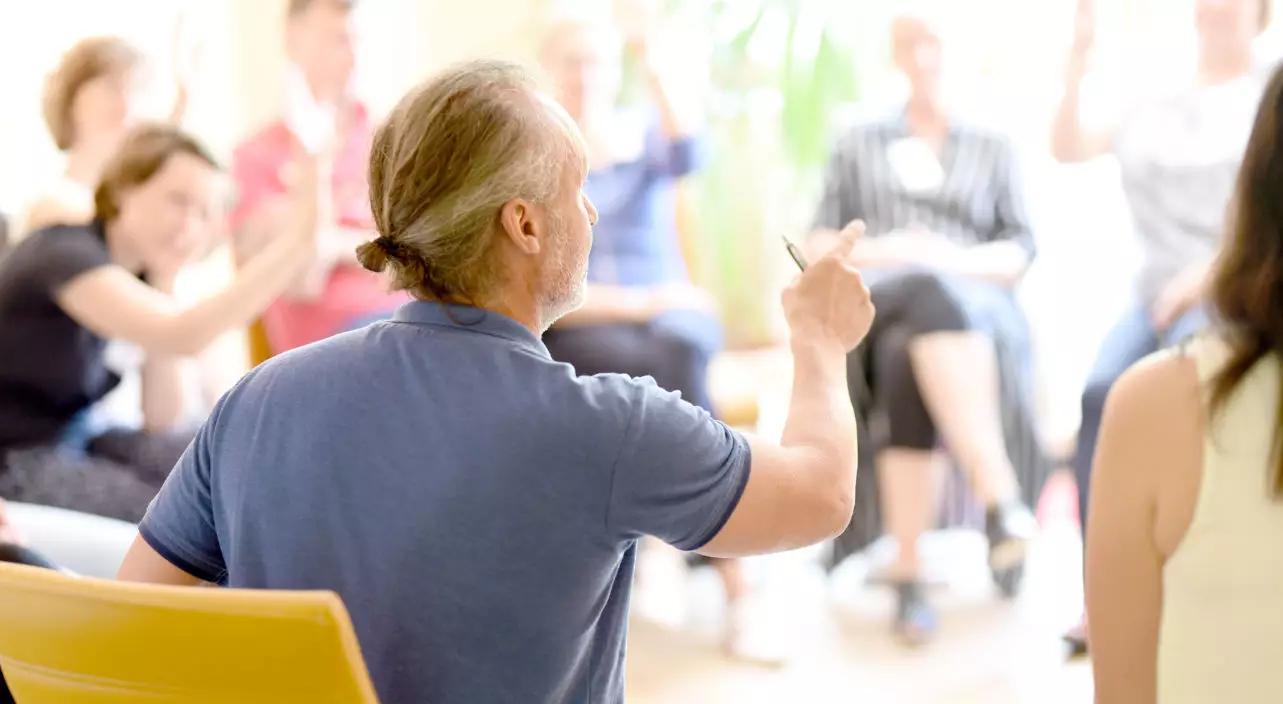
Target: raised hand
(188,57)
(829,301)
(1084,34)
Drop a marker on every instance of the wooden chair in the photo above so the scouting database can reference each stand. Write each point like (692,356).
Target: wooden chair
(75,640)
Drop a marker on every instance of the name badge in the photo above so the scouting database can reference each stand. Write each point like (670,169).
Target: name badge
(916,165)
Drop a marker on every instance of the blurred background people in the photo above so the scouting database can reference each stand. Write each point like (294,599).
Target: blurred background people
(948,238)
(1183,585)
(67,289)
(687,297)
(90,101)
(1179,145)
(321,113)
(642,315)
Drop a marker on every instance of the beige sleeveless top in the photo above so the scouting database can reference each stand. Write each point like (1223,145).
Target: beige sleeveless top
(1221,638)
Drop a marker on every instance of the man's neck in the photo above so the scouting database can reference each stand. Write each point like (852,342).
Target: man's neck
(527,315)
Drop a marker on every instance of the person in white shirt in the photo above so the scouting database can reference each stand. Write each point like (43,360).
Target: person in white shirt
(1184,588)
(1178,148)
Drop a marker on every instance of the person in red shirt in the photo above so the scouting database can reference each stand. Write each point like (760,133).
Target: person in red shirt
(321,116)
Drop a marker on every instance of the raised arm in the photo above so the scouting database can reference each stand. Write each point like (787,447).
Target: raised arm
(114,304)
(801,490)
(1070,141)
(691,481)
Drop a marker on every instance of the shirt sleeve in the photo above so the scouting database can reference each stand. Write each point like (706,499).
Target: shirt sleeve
(179,524)
(68,253)
(1011,217)
(673,158)
(680,472)
(841,191)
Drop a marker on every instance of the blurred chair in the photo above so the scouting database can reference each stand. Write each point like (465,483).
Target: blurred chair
(259,349)
(70,640)
(735,376)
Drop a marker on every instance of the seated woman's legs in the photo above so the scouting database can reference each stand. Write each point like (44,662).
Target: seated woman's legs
(906,476)
(118,479)
(934,371)
(149,456)
(956,370)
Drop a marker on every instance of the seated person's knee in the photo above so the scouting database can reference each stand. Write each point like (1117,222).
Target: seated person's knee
(932,306)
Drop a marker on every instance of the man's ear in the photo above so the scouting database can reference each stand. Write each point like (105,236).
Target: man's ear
(525,224)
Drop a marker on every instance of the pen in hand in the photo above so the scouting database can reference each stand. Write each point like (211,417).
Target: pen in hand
(795,253)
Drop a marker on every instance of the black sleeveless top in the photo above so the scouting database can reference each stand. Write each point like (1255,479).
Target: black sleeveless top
(51,368)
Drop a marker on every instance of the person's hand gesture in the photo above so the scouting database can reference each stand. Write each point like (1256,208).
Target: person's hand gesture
(829,301)
(637,21)
(1177,298)
(307,197)
(1084,36)
(188,57)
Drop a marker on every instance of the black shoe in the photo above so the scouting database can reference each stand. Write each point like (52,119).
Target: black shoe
(1010,527)
(915,620)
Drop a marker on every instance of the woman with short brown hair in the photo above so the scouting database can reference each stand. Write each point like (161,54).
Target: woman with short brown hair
(67,289)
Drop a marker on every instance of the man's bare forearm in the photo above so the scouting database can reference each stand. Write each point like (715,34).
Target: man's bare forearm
(821,420)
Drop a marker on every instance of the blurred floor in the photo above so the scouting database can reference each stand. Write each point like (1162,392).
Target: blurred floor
(989,651)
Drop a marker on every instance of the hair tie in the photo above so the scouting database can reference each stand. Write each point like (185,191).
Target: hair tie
(389,246)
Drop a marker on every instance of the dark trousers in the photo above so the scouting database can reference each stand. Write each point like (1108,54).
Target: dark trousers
(888,403)
(1132,338)
(674,361)
(911,304)
(117,476)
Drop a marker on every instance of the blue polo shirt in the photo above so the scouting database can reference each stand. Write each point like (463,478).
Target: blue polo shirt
(476,504)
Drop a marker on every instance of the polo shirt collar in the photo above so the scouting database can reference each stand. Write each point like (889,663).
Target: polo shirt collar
(470,319)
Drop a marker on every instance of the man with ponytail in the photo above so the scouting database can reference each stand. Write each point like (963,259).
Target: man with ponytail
(476,504)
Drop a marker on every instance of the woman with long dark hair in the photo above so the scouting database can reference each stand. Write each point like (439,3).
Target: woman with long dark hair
(1184,589)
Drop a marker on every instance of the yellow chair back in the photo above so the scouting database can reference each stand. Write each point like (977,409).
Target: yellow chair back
(260,350)
(71,640)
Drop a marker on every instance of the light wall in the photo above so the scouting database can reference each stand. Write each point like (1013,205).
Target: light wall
(238,87)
